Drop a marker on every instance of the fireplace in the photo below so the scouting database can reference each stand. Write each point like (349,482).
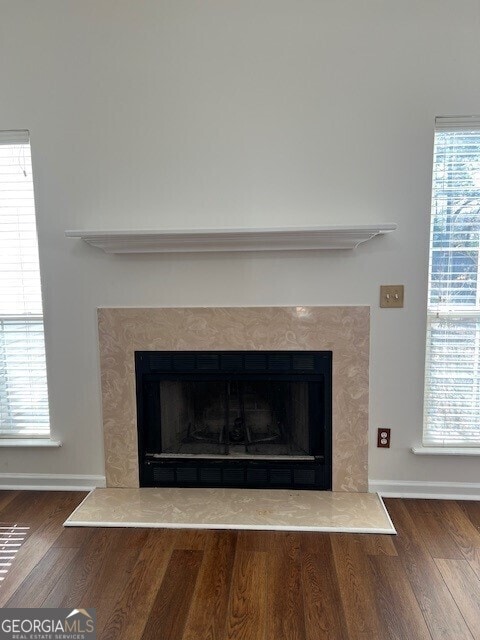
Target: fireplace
(343,331)
(235,418)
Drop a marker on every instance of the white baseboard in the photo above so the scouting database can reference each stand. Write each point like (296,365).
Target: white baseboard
(50,482)
(386,488)
(429,490)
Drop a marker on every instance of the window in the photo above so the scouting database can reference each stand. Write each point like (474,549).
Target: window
(23,380)
(452,377)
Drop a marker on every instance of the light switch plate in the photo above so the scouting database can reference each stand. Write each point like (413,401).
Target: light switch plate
(391,296)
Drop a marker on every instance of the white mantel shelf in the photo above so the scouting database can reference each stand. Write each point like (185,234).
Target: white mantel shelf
(217,240)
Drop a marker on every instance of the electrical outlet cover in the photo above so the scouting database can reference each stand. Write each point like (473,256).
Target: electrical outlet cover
(383,438)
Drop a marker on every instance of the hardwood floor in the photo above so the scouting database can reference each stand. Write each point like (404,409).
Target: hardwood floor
(154,584)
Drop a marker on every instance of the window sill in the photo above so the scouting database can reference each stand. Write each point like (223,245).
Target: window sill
(446,451)
(29,442)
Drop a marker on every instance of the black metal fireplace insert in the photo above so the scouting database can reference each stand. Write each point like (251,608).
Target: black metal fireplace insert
(259,419)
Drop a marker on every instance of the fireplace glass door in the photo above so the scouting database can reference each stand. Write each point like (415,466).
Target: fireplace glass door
(235,417)
(227,417)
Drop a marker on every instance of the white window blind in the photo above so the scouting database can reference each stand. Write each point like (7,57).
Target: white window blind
(23,381)
(452,375)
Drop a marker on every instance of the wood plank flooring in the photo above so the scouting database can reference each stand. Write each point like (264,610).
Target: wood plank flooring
(154,584)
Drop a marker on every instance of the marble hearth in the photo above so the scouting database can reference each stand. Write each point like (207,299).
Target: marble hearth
(342,330)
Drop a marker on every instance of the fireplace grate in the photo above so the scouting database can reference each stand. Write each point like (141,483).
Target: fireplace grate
(186,475)
(232,362)
(164,475)
(280,476)
(231,476)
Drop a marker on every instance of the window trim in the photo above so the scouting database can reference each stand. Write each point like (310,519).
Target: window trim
(451,447)
(43,438)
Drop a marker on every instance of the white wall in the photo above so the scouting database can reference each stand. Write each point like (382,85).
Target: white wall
(189,113)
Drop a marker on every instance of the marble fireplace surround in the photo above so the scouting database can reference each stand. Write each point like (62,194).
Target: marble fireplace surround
(343,330)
